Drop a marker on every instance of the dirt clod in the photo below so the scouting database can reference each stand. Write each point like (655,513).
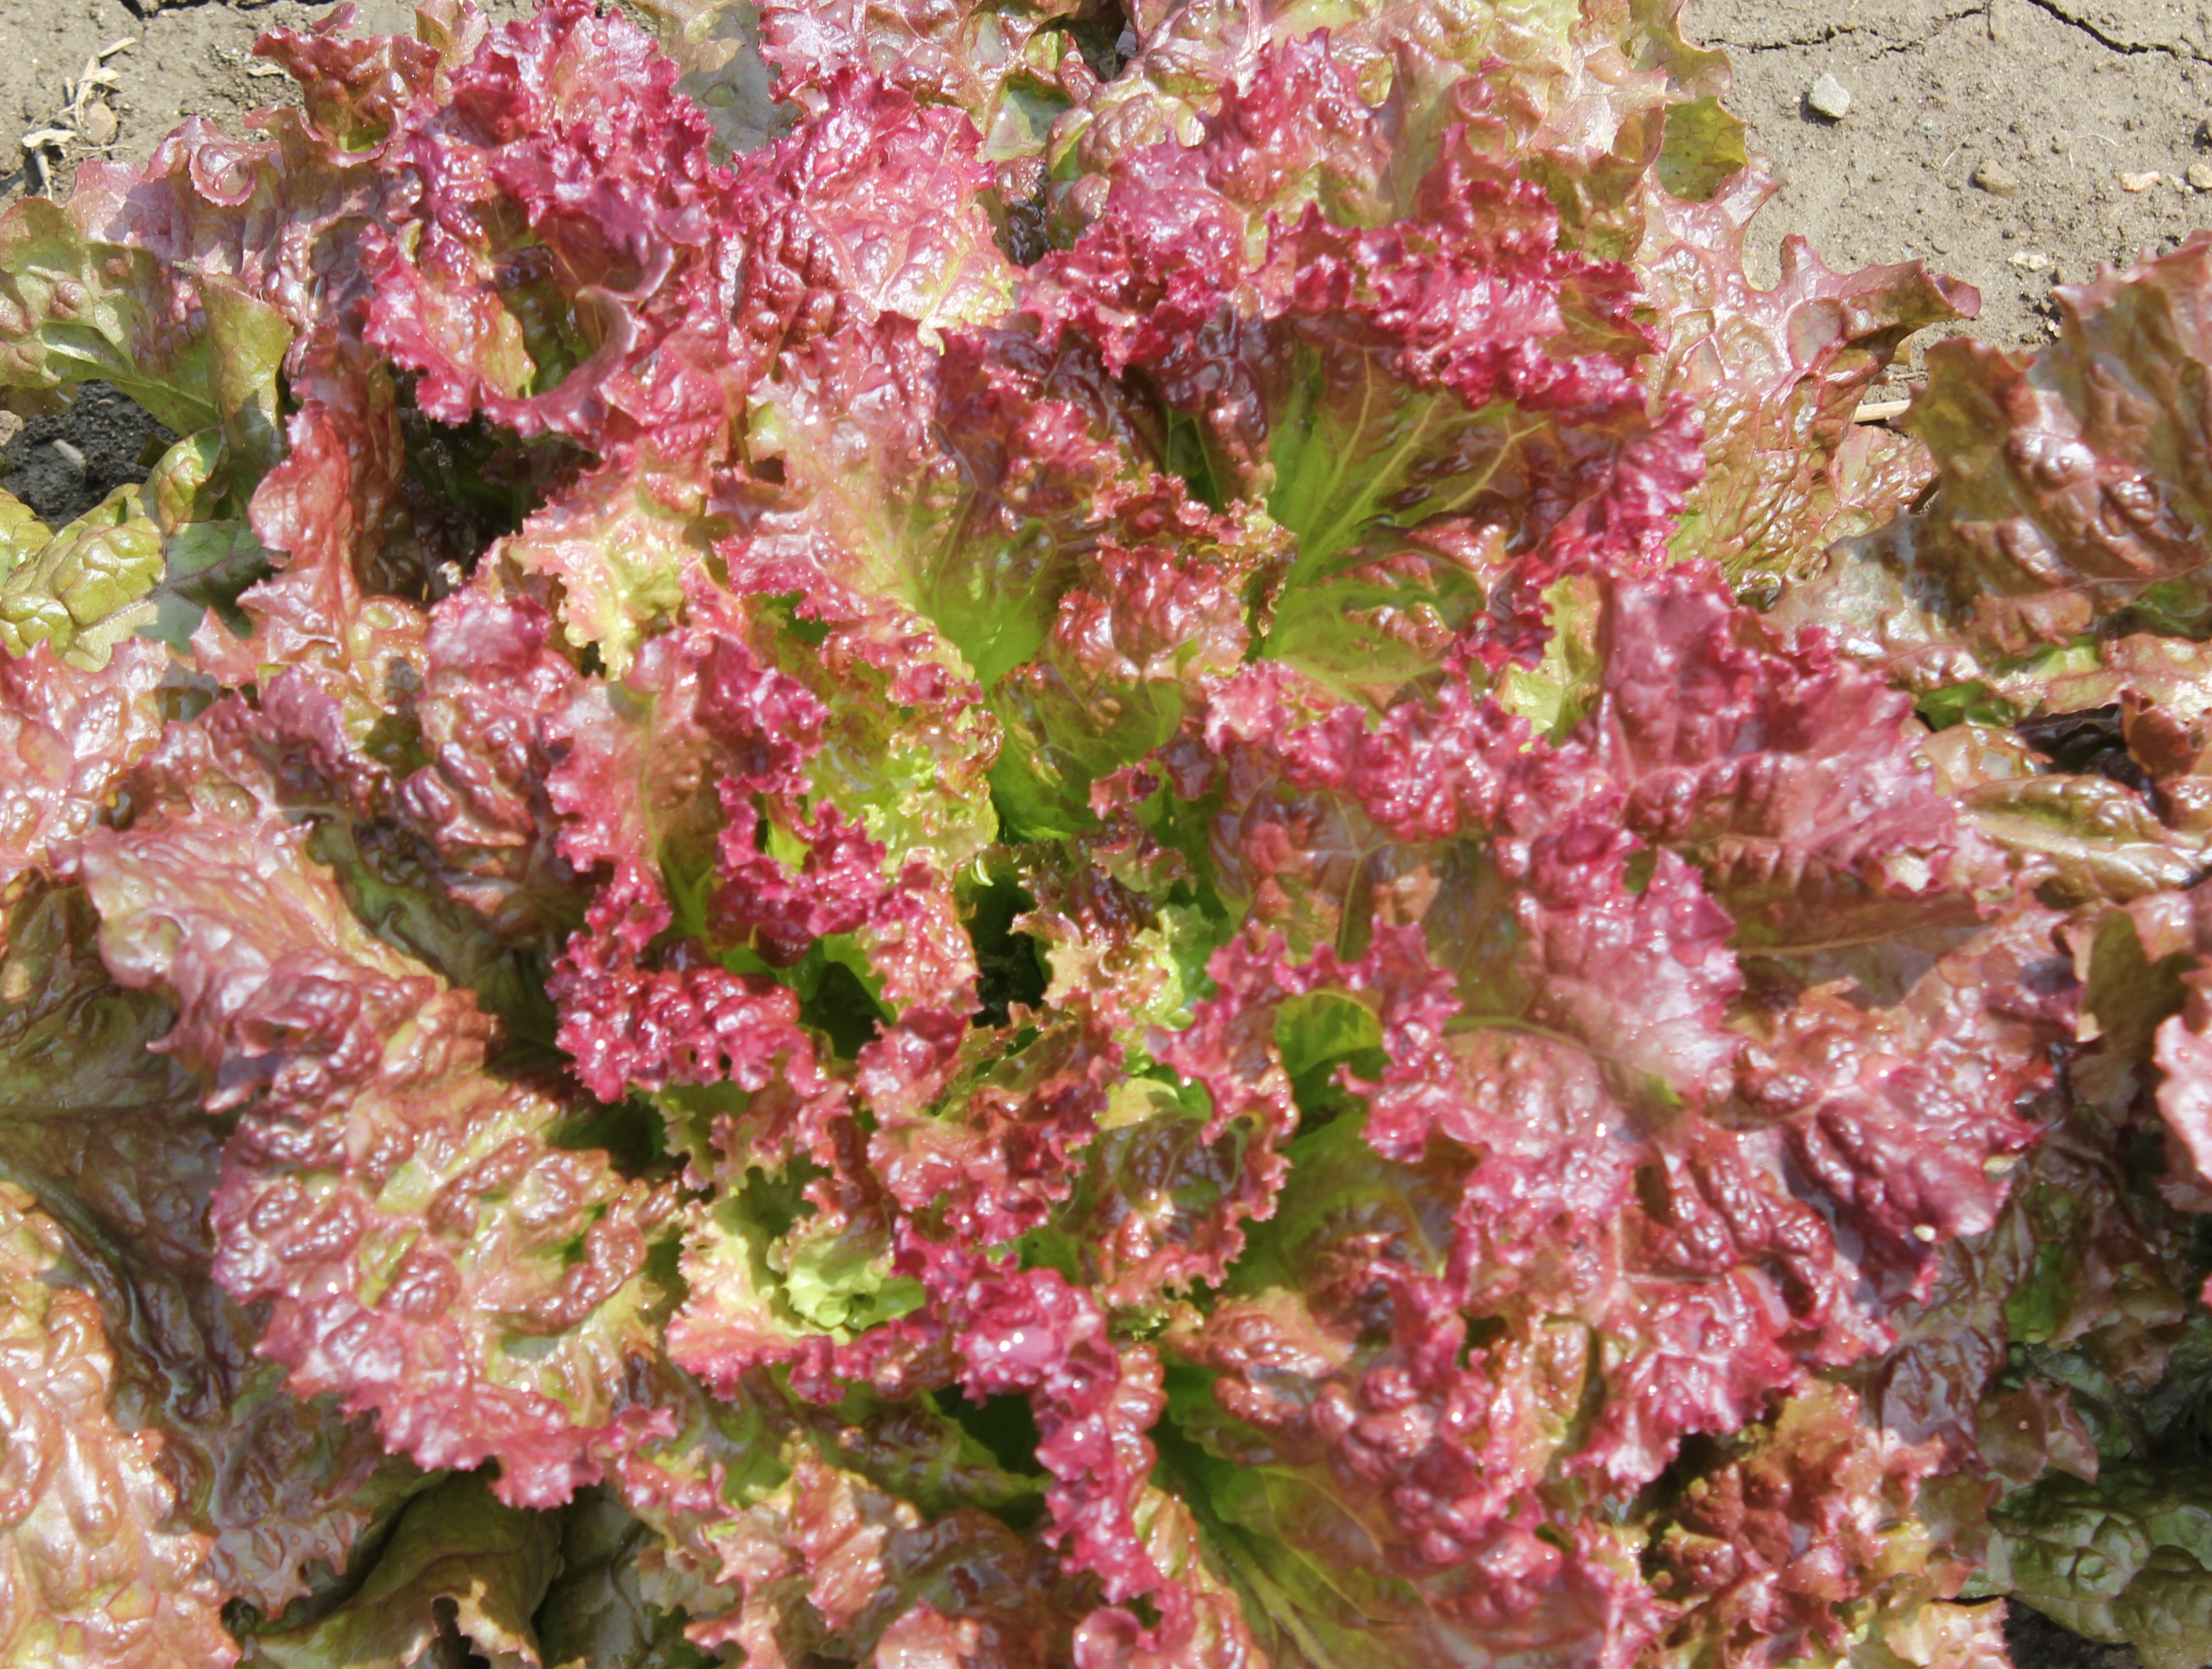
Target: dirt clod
(63,465)
(1997,179)
(1829,97)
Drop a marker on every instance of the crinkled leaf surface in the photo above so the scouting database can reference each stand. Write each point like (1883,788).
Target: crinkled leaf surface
(2122,1559)
(429,1255)
(67,734)
(106,1134)
(982,836)
(91,1571)
(458,1565)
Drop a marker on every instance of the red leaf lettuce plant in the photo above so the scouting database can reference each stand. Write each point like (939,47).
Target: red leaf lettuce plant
(1118,840)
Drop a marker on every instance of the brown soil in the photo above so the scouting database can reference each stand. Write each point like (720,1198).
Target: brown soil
(2075,100)
(2061,105)
(190,60)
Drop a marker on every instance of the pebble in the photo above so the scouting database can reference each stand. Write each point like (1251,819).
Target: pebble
(1830,97)
(1996,180)
(2030,260)
(2139,182)
(2200,176)
(99,124)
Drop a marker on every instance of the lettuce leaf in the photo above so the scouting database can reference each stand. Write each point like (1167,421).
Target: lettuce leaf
(1044,836)
(93,1572)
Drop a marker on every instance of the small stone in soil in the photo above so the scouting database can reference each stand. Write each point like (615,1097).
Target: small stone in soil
(1829,97)
(1996,180)
(2200,176)
(2139,182)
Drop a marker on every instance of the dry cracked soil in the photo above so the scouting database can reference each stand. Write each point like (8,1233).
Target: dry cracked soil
(2014,143)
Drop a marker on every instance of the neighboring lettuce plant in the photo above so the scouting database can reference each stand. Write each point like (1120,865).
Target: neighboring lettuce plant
(1076,838)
